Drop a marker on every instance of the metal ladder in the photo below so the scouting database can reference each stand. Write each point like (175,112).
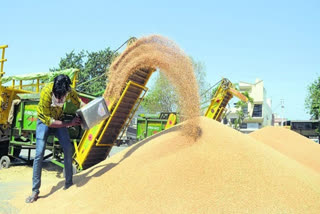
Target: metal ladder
(2,60)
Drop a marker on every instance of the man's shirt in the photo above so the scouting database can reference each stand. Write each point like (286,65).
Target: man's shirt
(47,113)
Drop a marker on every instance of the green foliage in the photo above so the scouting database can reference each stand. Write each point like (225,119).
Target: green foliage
(214,90)
(92,65)
(241,114)
(199,71)
(162,96)
(312,101)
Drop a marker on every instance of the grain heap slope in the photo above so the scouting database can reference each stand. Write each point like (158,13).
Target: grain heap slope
(291,144)
(223,171)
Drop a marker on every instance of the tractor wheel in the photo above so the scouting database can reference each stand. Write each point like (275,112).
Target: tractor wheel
(4,162)
(131,142)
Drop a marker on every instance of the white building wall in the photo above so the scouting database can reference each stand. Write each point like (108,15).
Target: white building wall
(267,112)
(259,95)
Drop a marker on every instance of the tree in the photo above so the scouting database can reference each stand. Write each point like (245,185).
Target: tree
(312,101)
(201,75)
(162,96)
(240,106)
(92,65)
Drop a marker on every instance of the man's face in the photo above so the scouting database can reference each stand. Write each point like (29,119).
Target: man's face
(58,101)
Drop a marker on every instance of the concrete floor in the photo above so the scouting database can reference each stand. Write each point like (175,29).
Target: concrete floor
(9,188)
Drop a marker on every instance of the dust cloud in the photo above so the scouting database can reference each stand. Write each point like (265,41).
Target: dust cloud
(158,52)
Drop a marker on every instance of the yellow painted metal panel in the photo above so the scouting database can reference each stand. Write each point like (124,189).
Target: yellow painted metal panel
(87,141)
(238,94)
(171,121)
(99,143)
(95,134)
(223,95)
(2,60)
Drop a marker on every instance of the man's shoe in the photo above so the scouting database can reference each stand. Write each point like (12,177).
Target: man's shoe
(67,186)
(33,197)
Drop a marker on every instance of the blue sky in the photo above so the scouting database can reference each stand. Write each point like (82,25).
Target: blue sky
(276,41)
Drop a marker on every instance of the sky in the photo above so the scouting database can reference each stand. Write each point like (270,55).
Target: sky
(275,41)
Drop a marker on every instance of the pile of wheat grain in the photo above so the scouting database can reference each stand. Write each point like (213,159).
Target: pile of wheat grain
(292,144)
(223,172)
(158,52)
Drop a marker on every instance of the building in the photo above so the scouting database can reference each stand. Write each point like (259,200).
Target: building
(278,120)
(259,114)
(307,128)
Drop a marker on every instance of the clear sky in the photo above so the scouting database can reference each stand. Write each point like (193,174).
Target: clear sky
(276,41)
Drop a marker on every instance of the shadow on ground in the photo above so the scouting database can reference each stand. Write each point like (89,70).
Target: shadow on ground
(84,177)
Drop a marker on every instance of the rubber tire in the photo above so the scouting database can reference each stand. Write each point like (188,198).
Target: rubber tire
(4,162)
(131,142)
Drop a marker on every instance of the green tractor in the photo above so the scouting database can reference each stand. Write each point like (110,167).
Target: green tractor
(150,124)
(18,115)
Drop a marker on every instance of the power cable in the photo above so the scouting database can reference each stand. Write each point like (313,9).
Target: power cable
(210,88)
(131,38)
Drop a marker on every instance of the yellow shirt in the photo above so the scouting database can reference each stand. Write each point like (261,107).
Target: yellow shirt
(47,113)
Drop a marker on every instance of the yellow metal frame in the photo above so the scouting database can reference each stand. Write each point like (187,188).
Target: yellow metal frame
(214,108)
(225,88)
(21,86)
(75,78)
(37,85)
(2,60)
(118,103)
(85,144)
(115,110)
(134,110)
(8,93)
(238,94)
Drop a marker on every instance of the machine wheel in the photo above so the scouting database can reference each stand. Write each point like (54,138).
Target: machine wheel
(4,162)
(130,142)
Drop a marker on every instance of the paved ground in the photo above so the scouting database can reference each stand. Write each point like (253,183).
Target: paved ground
(18,176)
(9,188)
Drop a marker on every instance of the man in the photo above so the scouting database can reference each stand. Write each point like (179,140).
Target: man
(50,109)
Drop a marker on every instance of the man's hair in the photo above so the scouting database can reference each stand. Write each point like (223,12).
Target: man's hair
(61,85)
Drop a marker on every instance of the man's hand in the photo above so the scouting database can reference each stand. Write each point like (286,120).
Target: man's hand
(76,121)
(58,123)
